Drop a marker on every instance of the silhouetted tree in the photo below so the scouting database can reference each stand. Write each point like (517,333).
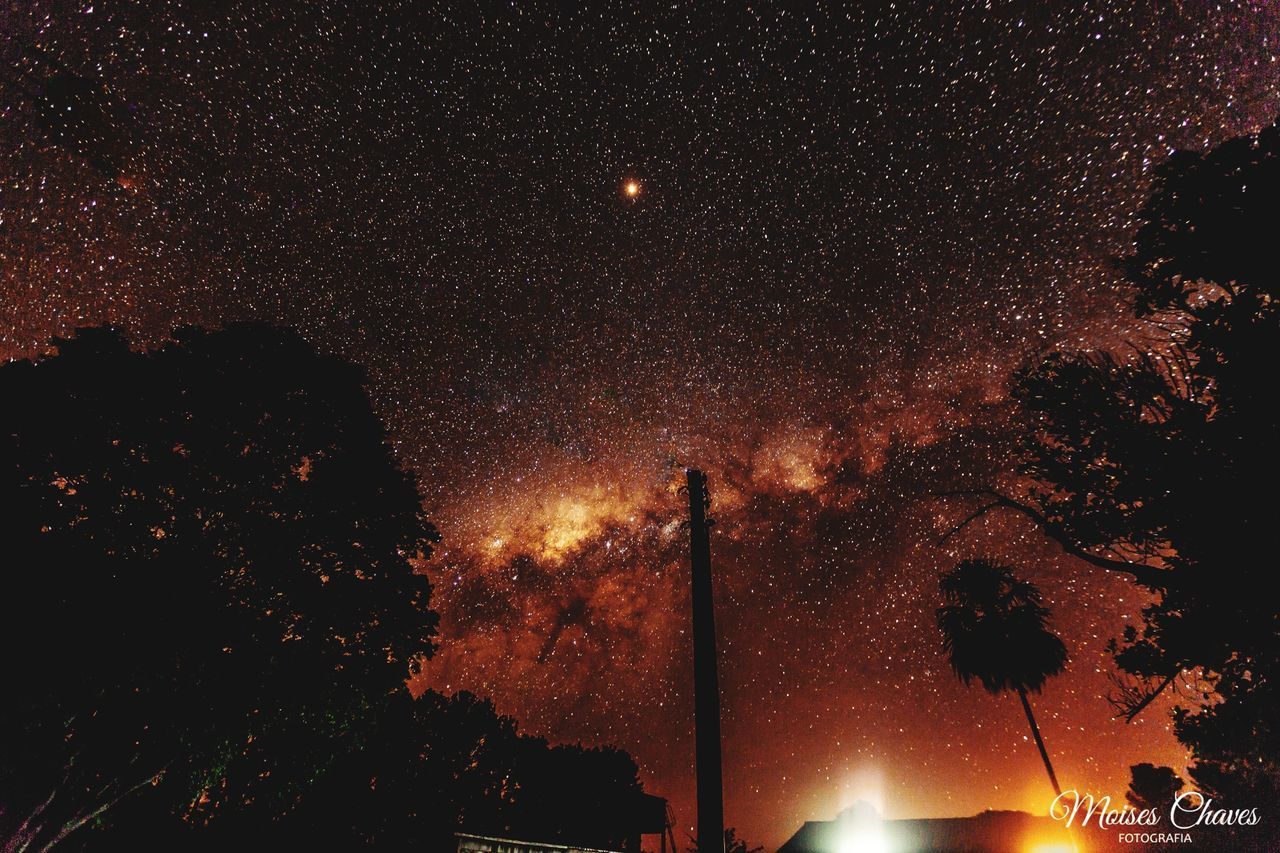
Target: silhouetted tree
(732,844)
(209,571)
(1156,460)
(427,769)
(1152,787)
(995,630)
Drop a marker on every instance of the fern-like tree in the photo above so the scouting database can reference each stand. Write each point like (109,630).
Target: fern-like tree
(996,630)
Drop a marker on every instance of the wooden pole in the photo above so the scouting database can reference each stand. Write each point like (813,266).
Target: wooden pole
(706,681)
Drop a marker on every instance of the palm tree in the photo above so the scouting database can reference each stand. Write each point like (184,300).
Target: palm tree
(996,630)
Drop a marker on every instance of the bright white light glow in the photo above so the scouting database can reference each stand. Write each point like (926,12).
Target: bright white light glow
(863,839)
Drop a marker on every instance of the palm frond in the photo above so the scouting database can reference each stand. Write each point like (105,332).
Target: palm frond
(995,628)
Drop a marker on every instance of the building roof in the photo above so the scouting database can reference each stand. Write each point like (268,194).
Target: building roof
(988,832)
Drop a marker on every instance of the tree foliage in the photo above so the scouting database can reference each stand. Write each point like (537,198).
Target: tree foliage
(210,585)
(1152,787)
(1162,455)
(995,629)
(429,767)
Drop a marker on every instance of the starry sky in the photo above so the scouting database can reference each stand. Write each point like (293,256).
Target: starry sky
(799,247)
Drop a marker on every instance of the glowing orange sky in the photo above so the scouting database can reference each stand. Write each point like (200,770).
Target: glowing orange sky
(565,596)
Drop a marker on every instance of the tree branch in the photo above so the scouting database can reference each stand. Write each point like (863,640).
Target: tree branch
(1134,693)
(1147,575)
(1137,709)
(25,832)
(77,822)
(974,516)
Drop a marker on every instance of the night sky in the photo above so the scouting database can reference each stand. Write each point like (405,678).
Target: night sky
(799,249)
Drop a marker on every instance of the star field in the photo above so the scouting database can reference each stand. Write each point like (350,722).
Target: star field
(799,248)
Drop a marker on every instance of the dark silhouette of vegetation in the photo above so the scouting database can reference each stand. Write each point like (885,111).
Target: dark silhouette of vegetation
(1152,787)
(430,767)
(732,844)
(1156,461)
(210,584)
(996,630)
(213,602)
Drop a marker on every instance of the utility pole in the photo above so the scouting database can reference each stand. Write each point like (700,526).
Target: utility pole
(706,681)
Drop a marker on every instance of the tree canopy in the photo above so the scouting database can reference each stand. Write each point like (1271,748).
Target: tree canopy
(213,603)
(1152,787)
(210,582)
(996,630)
(1156,459)
(427,768)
